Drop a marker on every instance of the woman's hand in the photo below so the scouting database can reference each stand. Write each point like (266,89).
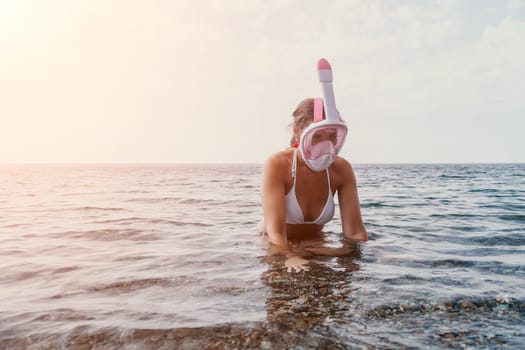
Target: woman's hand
(296,263)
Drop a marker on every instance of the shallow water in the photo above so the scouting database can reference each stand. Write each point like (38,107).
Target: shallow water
(153,256)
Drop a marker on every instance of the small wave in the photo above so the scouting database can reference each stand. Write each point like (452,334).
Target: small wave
(227,290)
(483,190)
(215,180)
(517,240)
(141,191)
(203,201)
(135,257)
(138,284)
(372,205)
(513,217)
(11,252)
(402,279)
(448,263)
(455,216)
(62,315)
(472,228)
(504,206)
(129,220)
(95,208)
(130,286)
(16,225)
(110,235)
(444,176)
(133,220)
(65,269)
(458,304)
(178,200)
(495,267)
(154,200)
(82,194)
(21,276)
(178,223)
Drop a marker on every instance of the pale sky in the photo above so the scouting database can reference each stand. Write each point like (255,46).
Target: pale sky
(170,81)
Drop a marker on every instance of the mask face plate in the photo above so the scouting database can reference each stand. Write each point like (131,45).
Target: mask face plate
(320,144)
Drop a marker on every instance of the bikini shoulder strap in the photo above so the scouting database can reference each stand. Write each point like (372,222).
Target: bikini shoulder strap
(329,185)
(294,164)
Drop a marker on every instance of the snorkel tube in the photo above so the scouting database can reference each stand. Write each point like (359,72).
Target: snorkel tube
(324,70)
(322,140)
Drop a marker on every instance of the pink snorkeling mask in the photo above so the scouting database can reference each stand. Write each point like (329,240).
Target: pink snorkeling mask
(322,140)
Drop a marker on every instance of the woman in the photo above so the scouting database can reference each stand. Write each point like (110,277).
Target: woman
(297,196)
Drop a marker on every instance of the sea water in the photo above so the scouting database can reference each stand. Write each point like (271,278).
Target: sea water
(168,256)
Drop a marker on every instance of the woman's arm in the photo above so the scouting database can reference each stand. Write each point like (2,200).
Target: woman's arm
(353,227)
(274,207)
(273,201)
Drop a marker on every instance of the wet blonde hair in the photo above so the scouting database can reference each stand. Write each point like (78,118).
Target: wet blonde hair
(302,117)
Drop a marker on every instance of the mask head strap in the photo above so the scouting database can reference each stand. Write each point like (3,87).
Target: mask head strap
(318,109)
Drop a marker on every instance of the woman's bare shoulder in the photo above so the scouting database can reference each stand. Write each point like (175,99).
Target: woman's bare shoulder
(342,165)
(279,160)
(343,170)
(276,168)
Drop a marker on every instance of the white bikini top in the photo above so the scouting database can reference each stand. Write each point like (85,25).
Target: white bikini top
(294,214)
